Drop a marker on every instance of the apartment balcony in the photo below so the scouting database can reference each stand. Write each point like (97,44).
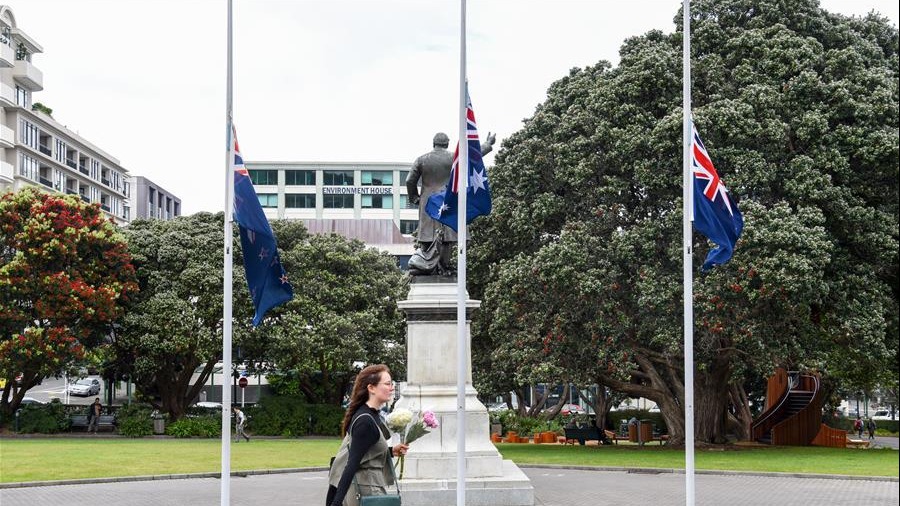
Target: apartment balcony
(28,75)
(7,95)
(84,198)
(83,169)
(46,182)
(70,191)
(7,171)
(71,163)
(7,136)
(105,207)
(45,150)
(7,54)
(105,181)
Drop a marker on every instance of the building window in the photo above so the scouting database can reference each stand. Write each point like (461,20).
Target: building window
(407,227)
(23,97)
(404,201)
(29,134)
(403,175)
(300,200)
(377,201)
(337,178)
(260,177)
(28,167)
(300,177)
(377,178)
(268,199)
(337,201)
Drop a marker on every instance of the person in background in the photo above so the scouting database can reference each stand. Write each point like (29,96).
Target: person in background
(239,420)
(94,411)
(858,426)
(871,426)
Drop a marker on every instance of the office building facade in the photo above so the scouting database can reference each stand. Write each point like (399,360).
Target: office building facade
(335,190)
(149,200)
(36,150)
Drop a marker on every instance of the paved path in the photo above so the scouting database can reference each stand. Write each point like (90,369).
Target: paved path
(553,487)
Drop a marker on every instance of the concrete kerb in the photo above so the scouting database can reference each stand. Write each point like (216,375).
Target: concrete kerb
(659,470)
(630,470)
(186,476)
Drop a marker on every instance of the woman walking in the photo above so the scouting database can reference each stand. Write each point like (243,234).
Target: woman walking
(363,464)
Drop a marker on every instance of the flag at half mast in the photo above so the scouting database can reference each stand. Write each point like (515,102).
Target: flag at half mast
(716,214)
(266,279)
(443,207)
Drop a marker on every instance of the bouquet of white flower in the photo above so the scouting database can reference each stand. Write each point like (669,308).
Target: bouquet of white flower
(410,427)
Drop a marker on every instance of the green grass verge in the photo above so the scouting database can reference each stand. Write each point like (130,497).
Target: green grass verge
(60,459)
(783,459)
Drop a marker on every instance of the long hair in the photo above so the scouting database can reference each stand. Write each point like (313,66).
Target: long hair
(371,375)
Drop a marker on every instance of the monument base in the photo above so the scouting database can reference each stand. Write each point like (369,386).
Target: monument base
(511,489)
(431,465)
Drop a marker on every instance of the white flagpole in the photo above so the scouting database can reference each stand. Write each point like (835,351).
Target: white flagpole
(462,173)
(688,211)
(226,280)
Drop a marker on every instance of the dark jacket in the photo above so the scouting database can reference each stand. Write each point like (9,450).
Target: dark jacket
(95,409)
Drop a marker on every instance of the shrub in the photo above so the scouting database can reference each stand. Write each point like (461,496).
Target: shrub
(134,420)
(201,426)
(43,418)
(290,417)
(326,419)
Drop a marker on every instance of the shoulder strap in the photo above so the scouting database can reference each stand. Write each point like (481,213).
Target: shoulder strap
(387,457)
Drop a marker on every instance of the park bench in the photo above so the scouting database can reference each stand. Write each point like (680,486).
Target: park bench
(81,421)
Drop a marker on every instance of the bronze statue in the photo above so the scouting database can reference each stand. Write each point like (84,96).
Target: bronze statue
(432,256)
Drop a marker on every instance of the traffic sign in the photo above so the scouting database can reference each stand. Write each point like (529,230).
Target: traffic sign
(242,382)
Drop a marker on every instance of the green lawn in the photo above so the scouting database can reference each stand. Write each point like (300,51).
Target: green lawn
(58,458)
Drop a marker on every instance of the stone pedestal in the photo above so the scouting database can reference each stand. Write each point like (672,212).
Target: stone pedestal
(430,468)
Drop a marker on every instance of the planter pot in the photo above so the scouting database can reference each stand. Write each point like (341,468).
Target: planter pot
(524,439)
(549,437)
(495,438)
(512,437)
(538,438)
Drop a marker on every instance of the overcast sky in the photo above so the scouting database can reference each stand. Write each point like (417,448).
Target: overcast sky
(315,80)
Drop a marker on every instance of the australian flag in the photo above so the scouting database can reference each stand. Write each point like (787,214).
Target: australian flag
(444,207)
(716,214)
(266,278)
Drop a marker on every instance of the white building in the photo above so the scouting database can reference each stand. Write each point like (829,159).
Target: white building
(369,196)
(35,150)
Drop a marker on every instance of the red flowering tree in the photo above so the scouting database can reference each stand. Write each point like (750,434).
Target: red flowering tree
(65,275)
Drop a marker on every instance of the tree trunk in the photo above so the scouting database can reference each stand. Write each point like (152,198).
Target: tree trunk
(740,421)
(554,410)
(711,405)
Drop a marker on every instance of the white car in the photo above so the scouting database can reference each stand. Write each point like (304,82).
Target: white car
(882,414)
(208,405)
(85,387)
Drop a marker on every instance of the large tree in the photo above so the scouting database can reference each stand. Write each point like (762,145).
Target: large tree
(582,255)
(65,276)
(344,312)
(174,326)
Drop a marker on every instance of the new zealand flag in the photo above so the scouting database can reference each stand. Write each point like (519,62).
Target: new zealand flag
(266,278)
(444,207)
(716,214)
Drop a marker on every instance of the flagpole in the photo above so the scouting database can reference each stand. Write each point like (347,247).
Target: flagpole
(227,277)
(462,176)
(687,211)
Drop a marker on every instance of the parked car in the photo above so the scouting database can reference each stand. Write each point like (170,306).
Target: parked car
(31,400)
(208,405)
(882,414)
(572,409)
(85,387)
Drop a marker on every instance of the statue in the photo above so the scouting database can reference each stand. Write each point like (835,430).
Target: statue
(435,240)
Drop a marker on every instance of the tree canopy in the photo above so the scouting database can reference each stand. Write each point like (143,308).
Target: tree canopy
(65,277)
(580,262)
